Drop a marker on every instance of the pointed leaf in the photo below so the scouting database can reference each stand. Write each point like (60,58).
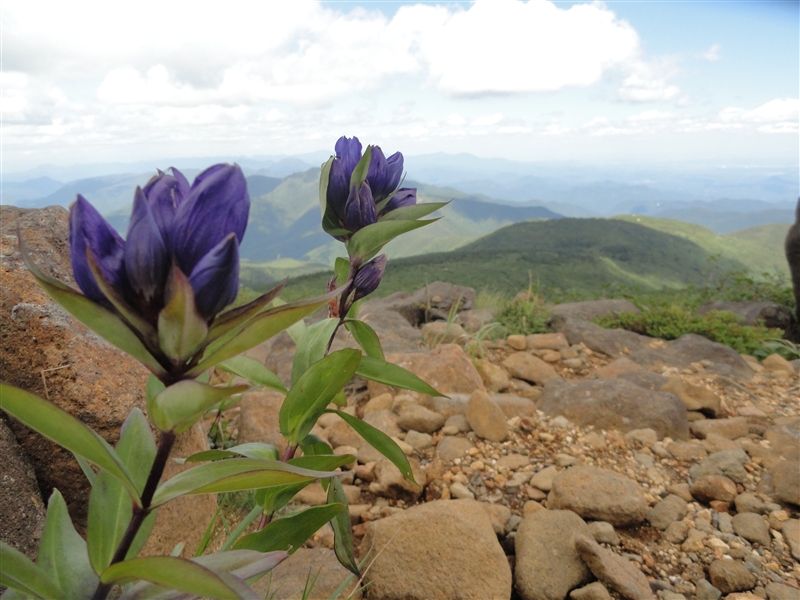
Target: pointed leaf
(86,468)
(366,337)
(250,450)
(18,572)
(290,532)
(313,445)
(394,375)
(411,213)
(97,318)
(312,346)
(260,328)
(181,329)
(324,178)
(380,441)
(367,242)
(342,529)
(233,475)
(341,268)
(361,170)
(254,371)
(178,574)
(307,399)
(180,405)
(65,430)
(62,552)
(236,318)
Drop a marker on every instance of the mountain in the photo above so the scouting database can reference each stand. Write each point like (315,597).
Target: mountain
(17,192)
(729,221)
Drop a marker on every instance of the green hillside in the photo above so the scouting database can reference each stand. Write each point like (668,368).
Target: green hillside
(759,248)
(570,254)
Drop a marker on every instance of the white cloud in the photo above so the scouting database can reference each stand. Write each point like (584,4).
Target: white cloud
(648,81)
(712,54)
(487,120)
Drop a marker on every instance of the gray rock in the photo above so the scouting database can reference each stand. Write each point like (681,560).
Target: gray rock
(768,314)
(779,591)
(730,576)
(452,447)
(616,404)
(548,565)
(604,533)
(645,379)
(513,461)
(419,418)
(730,429)
(485,417)
(390,483)
(729,463)
(461,492)
(443,549)
(515,406)
(692,348)
(593,591)
(791,533)
(459,422)
(613,570)
(543,480)
(676,532)
(670,509)
(443,332)
(752,527)
(706,591)
(528,367)
(419,441)
(613,342)
(599,494)
(385,420)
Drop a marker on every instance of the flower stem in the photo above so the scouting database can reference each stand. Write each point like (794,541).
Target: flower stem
(165,444)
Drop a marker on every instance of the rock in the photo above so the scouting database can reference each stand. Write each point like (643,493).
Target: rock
(676,532)
(419,441)
(516,342)
(613,342)
(514,406)
(23,514)
(692,348)
(548,565)
(791,533)
(593,591)
(498,515)
(713,487)
(749,502)
(288,580)
(752,527)
(494,376)
(461,492)
(50,354)
(543,480)
(598,494)
(546,341)
(729,463)
(442,332)
(442,549)
(451,447)
(693,396)
(706,591)
(670,509)
(613,570)
(474,320)
(314,495)
(594,308)
(529,368)
(716,443)
(485,417)
(604,533)
(459,422)
(779,591)
(258,419)
(446,368)
(513,462)
(419,418)
(385,420)
(730,429)
(381,402)
(396,333)
(390,483)
(646,437)
(341,434)
(621,366)
(645,379)
(687,451)
(616,404)
(786,478)
(730,576)
(768,314)
(775,363)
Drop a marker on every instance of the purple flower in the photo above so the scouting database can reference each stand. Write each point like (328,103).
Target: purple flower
(197,228)
(368,277)
(355,204)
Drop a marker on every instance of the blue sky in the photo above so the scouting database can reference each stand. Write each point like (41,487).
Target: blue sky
(624,82)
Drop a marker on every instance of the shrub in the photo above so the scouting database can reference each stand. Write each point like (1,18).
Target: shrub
(524,315)
(671,322)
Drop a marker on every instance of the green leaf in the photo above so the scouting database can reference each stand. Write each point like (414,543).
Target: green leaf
(324,179)
(254,371)
(393,375)
(86,468)
(63,553)
(290,532)
(97,318)
(233,475)
(243,564)
(341,267)
(367,242)
(313,445)
(272,499)
(110,507)
(180,405)
(178,574)
(206,539)
(380,441)
(65,430)
(414,212)
(307,399)
(262,327)
(18,572)
(250,450)
(181,329)
(312,346)
(235,318)
(342,529)
(361,170)
(366,337)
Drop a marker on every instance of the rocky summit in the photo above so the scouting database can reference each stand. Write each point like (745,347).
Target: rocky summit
(583,463)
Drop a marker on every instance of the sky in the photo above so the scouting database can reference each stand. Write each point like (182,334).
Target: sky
(619,81)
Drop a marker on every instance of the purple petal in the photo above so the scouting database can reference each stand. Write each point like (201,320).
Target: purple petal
(403,197)
(360,208)
(147,259)
(215,279)
(217,205)
(369,277)
(384,175)
(164,193)
(338,185)
(348,151)
(88,228)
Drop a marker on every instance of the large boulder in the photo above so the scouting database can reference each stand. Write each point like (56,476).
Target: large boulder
(445,549)
(434,302)
(616,404)
(613,342)
(768,314)
(693,348)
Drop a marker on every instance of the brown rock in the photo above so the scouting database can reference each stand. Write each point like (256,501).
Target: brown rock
(494,376)
(714,487)
(452,447)
(695,397)
(618,367)
(546,341)
(443,549)
(791,533)
(517,342)
(613,570)
(442,332)
(593,591)
(730,576)
(687,451)
(485,417)
(693,348)
(775,362)
(752,527)
(390,483)
(419,418)
(515,406)
(730,429)
(530,368)
(613,342)
(258,419)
